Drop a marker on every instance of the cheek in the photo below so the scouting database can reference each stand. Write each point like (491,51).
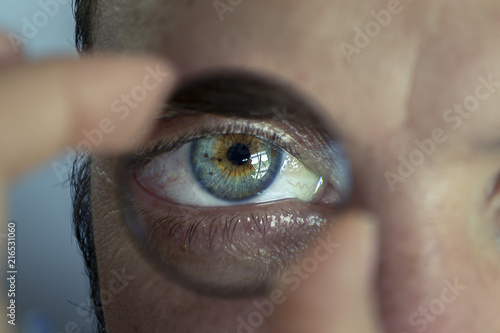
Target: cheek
(137,298)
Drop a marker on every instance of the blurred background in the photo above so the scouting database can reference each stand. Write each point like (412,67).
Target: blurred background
(52,288)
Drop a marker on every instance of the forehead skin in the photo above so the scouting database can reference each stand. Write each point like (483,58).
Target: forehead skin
(436,225)
(440,44)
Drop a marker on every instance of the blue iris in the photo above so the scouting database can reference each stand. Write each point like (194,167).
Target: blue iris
(235,167)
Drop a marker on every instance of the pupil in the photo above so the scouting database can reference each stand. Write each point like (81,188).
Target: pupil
(238,154)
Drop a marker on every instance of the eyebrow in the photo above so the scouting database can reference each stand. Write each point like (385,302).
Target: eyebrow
(241,94)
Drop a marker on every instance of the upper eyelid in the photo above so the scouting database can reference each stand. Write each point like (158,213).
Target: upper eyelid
(312,146)
(163,145)
(309,142)
(256,97)
(242,94)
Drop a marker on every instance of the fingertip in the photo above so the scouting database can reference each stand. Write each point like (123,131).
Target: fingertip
(339,294)
(354,262)
(361,228)
(121,97)
(100,105)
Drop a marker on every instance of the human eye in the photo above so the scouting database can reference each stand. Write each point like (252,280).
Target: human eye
(229,190)
(228,169)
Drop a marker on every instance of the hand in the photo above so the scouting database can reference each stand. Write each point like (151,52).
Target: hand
(48,105)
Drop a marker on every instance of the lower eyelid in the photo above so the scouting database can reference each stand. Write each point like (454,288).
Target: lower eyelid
(234,253)
(195,245)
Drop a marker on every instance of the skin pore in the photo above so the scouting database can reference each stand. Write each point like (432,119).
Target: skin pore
(437,225)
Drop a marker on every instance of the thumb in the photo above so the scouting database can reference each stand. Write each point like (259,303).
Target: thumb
(338,296)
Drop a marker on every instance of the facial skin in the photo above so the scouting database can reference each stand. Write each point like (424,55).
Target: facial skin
(437,225)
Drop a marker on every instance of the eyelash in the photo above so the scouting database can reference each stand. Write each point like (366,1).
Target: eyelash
(229,224)
(148,153)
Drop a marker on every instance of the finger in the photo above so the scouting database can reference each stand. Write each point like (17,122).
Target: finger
(99,104)
(338,296)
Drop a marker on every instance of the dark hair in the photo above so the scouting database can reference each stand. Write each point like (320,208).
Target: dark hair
(80,177)
(84,12)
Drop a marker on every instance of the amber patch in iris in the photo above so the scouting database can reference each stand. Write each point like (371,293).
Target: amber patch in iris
(225,143)
(234,166)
